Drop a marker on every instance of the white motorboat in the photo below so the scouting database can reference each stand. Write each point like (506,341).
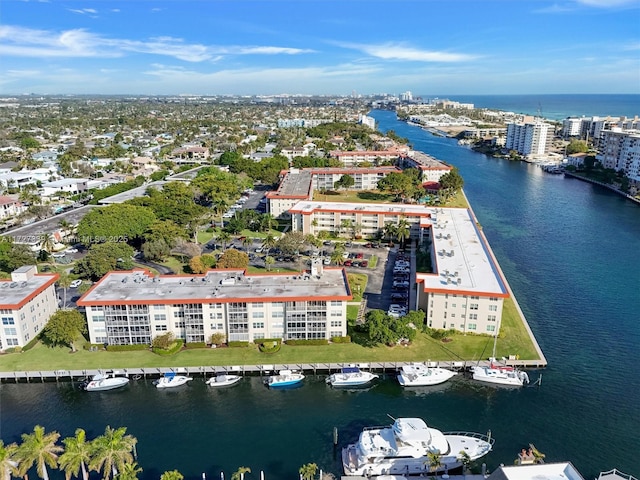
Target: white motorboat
(420,375)
(350,377)
(105,381)
(171,380)
(223,380)
(500,374)
(403,448)
(284,378)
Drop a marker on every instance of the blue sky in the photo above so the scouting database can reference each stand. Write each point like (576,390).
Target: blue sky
(319,47)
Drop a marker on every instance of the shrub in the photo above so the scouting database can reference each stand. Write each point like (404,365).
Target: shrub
(316,341)
(218,338)
(93,346)
(238,343)
(126,348)
(345,339)
(163,341)
(195,345)
(270,346)
(174,348)
(31,344)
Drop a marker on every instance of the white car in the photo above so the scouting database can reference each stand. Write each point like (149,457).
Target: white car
(71,250)
(58,255)
(75,283)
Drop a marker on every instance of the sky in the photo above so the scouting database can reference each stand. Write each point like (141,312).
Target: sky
(309,47)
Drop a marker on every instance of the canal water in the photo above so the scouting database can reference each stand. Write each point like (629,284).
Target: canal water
(570,251)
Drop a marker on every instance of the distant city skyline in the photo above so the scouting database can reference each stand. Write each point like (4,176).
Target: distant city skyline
(242,47)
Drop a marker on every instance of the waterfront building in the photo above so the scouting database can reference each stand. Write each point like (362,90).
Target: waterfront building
(530,138)
(488,132)
(299,184)
(368,121)
(465,290)
(560,470)
(431,169)
(620,150)
(572,127)
(355,157)
(132,307)
(27,301)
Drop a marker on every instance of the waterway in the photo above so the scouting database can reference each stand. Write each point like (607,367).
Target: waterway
(570,251)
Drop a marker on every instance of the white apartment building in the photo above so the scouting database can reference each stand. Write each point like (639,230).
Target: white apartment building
(620,150)
(529,139)
(572,127)
(356,157)
(466,290)
(368,121)
(133,307)
(71,186)
(299,184)
(431,169)
(10,206)
(27,301)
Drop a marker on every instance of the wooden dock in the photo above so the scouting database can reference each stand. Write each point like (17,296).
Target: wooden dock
(208,371)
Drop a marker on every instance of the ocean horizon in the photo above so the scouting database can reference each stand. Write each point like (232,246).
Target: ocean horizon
(554,106)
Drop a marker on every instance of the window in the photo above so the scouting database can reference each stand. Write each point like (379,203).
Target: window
(336,313)
(257,314)
(13,342)
(98,318)
(473,316)
(258,336)
(179,324)
(336,303)
(161,328)
(473,306)
(493,308)
(257,325)
(10,331)
(471,326)
(491,328)
(257,305)
(8,321)
(158,307)
(491,318)
(160,317)
(493,299)
(336,323)
(277,314)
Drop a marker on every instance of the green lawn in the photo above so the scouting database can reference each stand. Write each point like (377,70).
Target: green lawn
(354,196)
(358,283)
(468,347)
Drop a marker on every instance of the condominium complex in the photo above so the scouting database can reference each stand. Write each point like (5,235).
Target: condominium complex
(529,139)
(299,185)
(27,301)
(620,150)
(132,307)
(466,290)
(431,169)
(373,157)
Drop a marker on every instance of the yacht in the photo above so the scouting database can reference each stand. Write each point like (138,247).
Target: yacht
(350,377)
(171,380)
(284,378)
(223,380)
(403,448)
(105,381)
(420,375)
(500,374)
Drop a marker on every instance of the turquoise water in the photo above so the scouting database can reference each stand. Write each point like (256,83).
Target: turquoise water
(571,253)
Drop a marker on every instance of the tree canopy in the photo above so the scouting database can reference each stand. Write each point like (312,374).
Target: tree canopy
(115,223)
(233,258)
(103,258)
(64,328)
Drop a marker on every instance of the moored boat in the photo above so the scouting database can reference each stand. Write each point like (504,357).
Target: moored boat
(223,380)
(171,380)
(105,381)
(350,377)
(403,448)
(284,378)
(500,374)
(420,375)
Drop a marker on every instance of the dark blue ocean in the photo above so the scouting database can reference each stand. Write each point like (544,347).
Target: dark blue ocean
(555,107)
(571,253)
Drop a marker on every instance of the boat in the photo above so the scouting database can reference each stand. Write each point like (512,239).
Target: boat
(171,380)
(403,448)
(500,374)
(105,381)
(223,380)
(420,375)
(350,377)
(284,378)
(615,474)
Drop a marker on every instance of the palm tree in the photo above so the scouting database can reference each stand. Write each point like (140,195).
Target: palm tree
(390,230)
(38,448)
(308,471)
(403,231)
(8,465)
(76,456)
(129,471)
(246,242)
(267,222)
(336,257)
(48,242)
(112,451)
(239,474)
(433,458)
(64,281)
(269,261)
(224,237)
(172,475)
(269,242)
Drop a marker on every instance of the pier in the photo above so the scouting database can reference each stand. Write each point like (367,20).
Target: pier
(259,370)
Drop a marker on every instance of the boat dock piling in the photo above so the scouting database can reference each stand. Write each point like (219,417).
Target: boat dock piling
(211,370)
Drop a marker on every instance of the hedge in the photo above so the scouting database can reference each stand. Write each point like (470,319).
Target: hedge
(195,345)
(126,348)
(238,343)
(317,341)
(345,339)
(177,346)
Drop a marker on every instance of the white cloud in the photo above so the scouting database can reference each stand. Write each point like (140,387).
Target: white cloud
(398,51)
(25,42)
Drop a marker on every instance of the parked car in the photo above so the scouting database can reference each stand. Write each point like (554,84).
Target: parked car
(58,255)
(75,283)
(359,255)
(71,250)
(364,263)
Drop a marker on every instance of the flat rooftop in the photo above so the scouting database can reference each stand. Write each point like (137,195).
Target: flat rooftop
(294,184)
(463,260)
(13,295)
(427,161)
(216,286)
(308,207)
(545,471)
